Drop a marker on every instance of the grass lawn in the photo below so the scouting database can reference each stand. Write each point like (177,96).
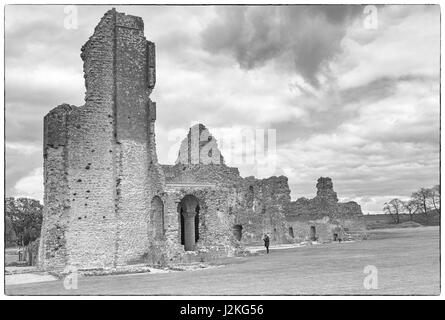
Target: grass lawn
(11,255)
(407,261)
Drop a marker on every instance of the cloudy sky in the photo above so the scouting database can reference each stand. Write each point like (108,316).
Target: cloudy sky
(357,104)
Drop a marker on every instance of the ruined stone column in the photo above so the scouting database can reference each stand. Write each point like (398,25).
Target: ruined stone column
(189,230)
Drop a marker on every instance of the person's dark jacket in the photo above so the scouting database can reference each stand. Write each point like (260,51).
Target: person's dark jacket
(266,241)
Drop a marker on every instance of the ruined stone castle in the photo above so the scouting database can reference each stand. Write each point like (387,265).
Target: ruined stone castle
(323,217)
(108,202)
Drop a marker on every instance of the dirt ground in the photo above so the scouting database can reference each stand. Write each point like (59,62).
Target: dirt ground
(407,262)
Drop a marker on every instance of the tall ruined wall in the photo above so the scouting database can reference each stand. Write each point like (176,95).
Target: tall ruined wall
(108,158)
(348,209)
(199,147)
(56,214)
(325,190)
(135,113)
(325,203)
(215,220)
(230,202)
(261,208)
(214,187)
(326,215)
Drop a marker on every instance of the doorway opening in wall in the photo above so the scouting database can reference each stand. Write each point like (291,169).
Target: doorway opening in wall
(196,226)
(189,221)
(291,232)
(313,235)
(182,226)
(238,231)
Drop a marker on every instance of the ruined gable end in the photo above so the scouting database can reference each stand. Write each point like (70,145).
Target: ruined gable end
(199,147)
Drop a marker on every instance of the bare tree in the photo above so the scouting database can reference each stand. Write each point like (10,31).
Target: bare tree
(411,208)
(394,208)
(435,197)
(422,198)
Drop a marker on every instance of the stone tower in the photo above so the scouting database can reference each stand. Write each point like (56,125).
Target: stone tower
(100,166)
(325,189)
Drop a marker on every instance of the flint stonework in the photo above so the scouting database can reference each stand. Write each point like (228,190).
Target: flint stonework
(109,203)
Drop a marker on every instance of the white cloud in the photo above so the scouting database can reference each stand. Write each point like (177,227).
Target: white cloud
(31,186)
(400,46)
(23,148)
(372,123)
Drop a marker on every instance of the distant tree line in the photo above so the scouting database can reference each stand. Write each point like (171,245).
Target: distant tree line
(23,218)
(423,201)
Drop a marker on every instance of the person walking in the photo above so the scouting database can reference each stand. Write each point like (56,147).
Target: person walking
(266,242)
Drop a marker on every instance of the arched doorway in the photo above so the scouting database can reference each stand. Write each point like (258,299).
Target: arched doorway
(312,235)
(157,218)
(238,231)
(291,232)
(196,225)
(189,215)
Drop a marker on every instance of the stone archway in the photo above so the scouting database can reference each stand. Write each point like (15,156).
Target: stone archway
(157,218)
(189,213)
(291,232)
(313,234)
(237,230)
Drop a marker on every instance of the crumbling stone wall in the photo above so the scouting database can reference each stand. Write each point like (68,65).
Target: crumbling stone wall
(199,147)
(326,214)
(219,175)
(56,214)
(324,204)
(101,171)
(261,208)
(214,187)
(109,203)
(255,206)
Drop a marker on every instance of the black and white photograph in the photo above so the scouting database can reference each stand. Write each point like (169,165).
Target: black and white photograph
(216,150)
